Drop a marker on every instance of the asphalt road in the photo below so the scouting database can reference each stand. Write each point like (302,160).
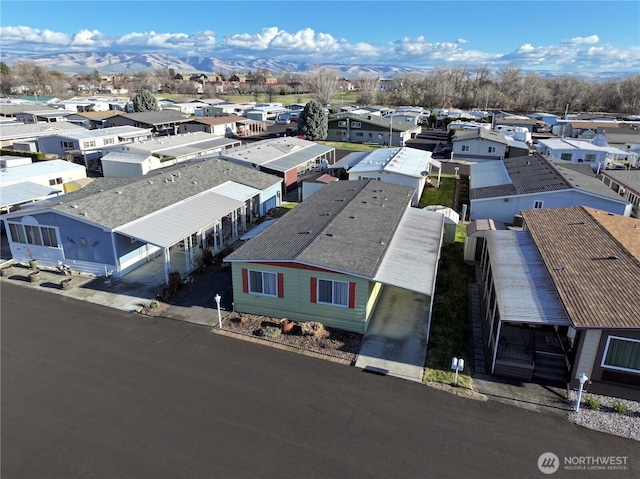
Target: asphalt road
(88,391)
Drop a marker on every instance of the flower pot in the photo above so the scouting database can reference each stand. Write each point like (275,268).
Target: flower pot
(33,264)
(34,276)
(6,271)
(287,327)
(66,283)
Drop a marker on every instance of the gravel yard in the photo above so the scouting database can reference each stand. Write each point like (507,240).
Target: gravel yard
(312,337)
(603,413)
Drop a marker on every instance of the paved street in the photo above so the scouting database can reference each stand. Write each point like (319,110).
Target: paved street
(89,391)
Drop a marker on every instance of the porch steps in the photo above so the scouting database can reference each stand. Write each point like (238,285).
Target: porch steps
(550,367)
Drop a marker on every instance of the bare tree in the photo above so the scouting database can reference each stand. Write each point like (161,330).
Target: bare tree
(534,92)
(369,86)
(509,85)
(323,83)
(33,76)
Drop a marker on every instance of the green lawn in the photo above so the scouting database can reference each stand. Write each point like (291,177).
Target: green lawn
(443,195)
(448,335)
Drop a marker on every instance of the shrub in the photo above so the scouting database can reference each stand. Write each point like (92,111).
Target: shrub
(314,328)
(619,407)
(593,403)
(271,332)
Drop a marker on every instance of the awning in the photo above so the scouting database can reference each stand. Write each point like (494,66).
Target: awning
(25,192)
(237,191)
(411,260)
(170,225)
(258,229)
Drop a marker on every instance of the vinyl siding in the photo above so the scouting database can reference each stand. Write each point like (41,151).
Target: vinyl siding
(296,303)
(588,352)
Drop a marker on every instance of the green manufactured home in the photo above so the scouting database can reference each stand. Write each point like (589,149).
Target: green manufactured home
(329,259)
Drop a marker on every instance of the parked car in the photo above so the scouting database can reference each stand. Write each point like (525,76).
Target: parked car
(291,131)
(283,121)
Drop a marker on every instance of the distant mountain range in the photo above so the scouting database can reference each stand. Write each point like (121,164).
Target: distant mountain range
(112,63)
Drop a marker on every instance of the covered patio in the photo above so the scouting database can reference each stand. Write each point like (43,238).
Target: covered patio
(524,318)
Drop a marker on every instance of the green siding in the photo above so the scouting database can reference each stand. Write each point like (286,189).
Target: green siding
(296,303)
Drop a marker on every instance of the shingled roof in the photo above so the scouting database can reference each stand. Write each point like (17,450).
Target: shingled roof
(113,202)
(540,174)
(593,258)
(346,226)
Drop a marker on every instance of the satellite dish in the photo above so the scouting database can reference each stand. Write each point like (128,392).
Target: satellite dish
(424,173)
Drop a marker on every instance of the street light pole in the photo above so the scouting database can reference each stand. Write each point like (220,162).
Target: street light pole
(217,297)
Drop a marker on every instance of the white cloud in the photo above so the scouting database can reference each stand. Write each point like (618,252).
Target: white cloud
(590,40)
(307,44)
(21,35)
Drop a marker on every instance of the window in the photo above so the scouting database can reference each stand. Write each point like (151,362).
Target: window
(55,181)
(590,157)
(356,124)
(359,134)
(342,124)
(622,354)
(333,292)
(537,205)
(33,234)
(565,156)
(465,147)
(89,144)
(67,144)
(261,282)
(492,149)
(108,141)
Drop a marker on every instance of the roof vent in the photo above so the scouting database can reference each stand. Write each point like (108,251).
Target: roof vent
(304,232)
(74,206)
(150,182)
(118,192)
(330,235)
(612,256)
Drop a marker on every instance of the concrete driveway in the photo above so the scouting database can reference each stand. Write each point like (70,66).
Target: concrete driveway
(396,342)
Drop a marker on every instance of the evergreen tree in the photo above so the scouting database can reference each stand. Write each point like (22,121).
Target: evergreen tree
(144,101)
(313,122)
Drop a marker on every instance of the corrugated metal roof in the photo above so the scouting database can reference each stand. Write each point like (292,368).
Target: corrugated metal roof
(23,192)
(404,161)
(412,257)
(166,227)
(524,290)
(48,169)
(236,191)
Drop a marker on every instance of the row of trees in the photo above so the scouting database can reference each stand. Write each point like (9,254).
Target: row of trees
(511,88)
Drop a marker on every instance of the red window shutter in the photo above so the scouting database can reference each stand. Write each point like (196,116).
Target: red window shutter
(314,295)
(352,295)
(245,280)
(280,285)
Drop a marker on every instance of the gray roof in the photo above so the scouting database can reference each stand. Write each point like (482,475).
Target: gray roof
(157,117)
(114,202)
(629,178)
(279,154)
(376,120)
(347,226)
(540,174)
(490,135)
(22,130)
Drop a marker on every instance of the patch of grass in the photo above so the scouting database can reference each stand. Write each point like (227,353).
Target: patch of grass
(593,403)
(443,195)
(350,146)
(448,335)
(446,377)
(619,407)
(283,209)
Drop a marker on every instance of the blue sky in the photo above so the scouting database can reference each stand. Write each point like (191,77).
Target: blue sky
(570,36)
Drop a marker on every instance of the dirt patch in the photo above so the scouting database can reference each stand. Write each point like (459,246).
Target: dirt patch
(310,336)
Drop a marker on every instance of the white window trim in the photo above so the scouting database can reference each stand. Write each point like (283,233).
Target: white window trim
(356,124)
(536,203)
(332,283)
(606,350)
(262,293)
(465,147)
